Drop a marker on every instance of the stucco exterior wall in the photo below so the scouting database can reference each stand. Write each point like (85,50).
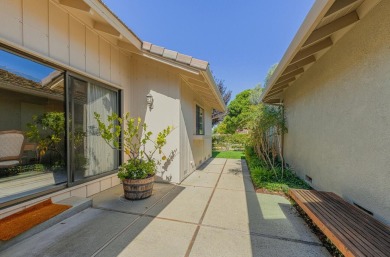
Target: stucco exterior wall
(338,117)
(195,148)
(163,83)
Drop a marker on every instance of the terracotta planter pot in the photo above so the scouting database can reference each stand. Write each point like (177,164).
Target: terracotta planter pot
(137,189)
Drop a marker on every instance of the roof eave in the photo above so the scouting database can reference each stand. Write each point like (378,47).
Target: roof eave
(210,78)
(313,18)
(100,8)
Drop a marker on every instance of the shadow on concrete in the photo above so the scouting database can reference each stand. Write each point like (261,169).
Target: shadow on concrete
(111,224)
(145,211)
(274,222)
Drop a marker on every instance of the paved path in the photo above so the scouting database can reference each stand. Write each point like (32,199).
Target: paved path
(214,212)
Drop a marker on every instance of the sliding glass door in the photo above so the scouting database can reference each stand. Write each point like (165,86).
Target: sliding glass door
(32,128)
(48,135)
(90,155)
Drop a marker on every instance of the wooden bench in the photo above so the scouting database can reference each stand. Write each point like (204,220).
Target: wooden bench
(351,230)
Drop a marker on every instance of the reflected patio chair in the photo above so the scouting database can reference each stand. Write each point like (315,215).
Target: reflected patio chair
(11,148)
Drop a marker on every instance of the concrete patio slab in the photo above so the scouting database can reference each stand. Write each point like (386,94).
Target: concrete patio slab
(213,168)
(219,242)
(150,238)
(236,170)
(183,203)
(78,236)
(235,182)
(259,213)
(237,222)
(201,179)
(112,199)
(215,161)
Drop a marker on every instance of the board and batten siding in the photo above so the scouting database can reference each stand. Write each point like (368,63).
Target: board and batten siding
(46,30)
(338,117)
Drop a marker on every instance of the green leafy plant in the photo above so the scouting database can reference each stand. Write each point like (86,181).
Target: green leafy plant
(138,144)
(266,178)
(48,131)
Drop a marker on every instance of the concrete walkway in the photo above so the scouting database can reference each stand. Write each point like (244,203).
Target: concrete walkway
(214,212)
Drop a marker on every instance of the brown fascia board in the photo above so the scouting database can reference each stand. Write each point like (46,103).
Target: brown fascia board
(284,82)
(298,65)
(338,5)
(332,27)
(290,75)
(311,50)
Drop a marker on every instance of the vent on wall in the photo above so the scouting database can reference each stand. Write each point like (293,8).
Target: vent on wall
(363,209)
(308,179)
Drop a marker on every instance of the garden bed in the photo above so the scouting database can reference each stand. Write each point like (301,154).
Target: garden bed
(267,180)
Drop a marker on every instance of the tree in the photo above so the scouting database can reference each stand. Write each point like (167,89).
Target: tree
(226,94)
(267,125)
(238,115)
(270,73)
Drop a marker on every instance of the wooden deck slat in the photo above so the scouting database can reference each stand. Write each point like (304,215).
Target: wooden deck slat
(347,249)
(374,240)
(354,232)
(363,228)
(328,214)
(373,229)
(380,227)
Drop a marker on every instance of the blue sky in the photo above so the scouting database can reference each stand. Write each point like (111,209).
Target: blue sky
(240,39)
(23,67)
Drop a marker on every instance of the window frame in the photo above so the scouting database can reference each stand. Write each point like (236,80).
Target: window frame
(118,91)
(197,127)
(67,71)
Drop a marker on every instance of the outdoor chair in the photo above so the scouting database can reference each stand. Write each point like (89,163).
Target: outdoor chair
(11,148)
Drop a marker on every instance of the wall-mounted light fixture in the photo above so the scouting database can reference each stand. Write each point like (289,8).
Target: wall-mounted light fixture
(149,101)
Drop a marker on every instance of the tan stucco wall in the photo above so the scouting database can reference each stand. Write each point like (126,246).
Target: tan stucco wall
(338,116)
(194,149)
(163,83)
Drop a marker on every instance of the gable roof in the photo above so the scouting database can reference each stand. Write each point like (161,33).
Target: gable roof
(326,23)
(104,21)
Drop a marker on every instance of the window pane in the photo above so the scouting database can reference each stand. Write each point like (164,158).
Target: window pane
(32,127)
(90,154)
(199,121)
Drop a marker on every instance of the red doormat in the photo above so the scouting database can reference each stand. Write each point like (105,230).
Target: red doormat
(19,222)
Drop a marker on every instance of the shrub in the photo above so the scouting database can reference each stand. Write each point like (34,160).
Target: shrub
(264,177)
(230,141)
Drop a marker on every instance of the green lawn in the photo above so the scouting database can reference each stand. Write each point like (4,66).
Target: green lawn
(229,154)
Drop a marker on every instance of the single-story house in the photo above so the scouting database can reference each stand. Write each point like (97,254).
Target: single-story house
(63,60)
(333,83)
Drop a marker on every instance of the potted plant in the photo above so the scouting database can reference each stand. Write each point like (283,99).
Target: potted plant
(138,172)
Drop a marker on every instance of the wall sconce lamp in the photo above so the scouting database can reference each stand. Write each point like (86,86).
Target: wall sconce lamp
(149,101)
